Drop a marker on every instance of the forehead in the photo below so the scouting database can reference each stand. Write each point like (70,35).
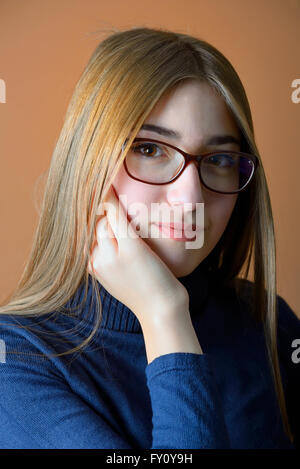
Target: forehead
(193,108)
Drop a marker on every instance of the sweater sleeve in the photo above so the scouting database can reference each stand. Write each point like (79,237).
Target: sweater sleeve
(289,354)
(187,411)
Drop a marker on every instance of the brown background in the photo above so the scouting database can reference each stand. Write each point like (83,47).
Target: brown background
(44,47)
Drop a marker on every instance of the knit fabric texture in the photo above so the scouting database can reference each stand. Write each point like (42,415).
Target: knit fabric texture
(108,396)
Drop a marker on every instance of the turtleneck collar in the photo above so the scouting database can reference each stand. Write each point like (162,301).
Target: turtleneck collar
(118,317)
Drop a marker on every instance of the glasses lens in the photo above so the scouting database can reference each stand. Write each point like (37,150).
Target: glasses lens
(159,163)
(226,172)
(153,162)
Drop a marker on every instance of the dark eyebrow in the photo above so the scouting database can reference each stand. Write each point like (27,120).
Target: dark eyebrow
(161,130)
(215,140)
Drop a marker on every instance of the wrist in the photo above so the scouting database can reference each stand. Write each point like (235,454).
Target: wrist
(166,314)
(172,334)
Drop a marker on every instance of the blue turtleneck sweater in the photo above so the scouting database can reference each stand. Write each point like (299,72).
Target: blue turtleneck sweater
(108,396)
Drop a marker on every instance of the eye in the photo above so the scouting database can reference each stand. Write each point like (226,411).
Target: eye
(147,149)
(221,160)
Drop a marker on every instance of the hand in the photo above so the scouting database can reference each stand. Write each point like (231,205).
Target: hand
(130,270)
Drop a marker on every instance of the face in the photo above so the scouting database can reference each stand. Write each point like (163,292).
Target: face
(196,113)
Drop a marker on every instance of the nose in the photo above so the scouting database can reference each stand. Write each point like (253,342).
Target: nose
(186,188)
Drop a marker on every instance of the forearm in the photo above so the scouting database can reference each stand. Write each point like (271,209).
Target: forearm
(173,334)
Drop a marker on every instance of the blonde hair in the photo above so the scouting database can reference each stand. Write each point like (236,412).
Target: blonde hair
(124,78)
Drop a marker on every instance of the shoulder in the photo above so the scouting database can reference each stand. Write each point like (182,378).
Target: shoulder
(38,339)
(288,320)
(243,291)
(16,329)
(22,340)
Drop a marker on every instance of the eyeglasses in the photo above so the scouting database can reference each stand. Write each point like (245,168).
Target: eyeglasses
(156,162)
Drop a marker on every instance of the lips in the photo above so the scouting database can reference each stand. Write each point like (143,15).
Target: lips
(178,226)
(178,231)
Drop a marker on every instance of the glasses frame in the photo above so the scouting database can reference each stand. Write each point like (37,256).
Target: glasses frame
(188,158)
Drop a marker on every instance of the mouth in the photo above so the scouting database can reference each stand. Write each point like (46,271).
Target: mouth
(178,232)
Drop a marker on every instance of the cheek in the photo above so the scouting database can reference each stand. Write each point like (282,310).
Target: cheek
(135,192)
(220,212)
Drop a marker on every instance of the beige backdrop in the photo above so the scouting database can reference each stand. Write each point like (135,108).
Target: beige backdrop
(44,47)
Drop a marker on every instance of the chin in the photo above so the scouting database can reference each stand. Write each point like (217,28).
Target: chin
(181,262)
(183,270)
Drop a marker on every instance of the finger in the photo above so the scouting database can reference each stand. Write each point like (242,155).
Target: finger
(121,227)
(101,233)
(106,240)
(111,233)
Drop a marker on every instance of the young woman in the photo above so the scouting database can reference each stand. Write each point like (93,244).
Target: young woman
(136,341)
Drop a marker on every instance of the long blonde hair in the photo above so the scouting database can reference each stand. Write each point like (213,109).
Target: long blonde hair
(124,78)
